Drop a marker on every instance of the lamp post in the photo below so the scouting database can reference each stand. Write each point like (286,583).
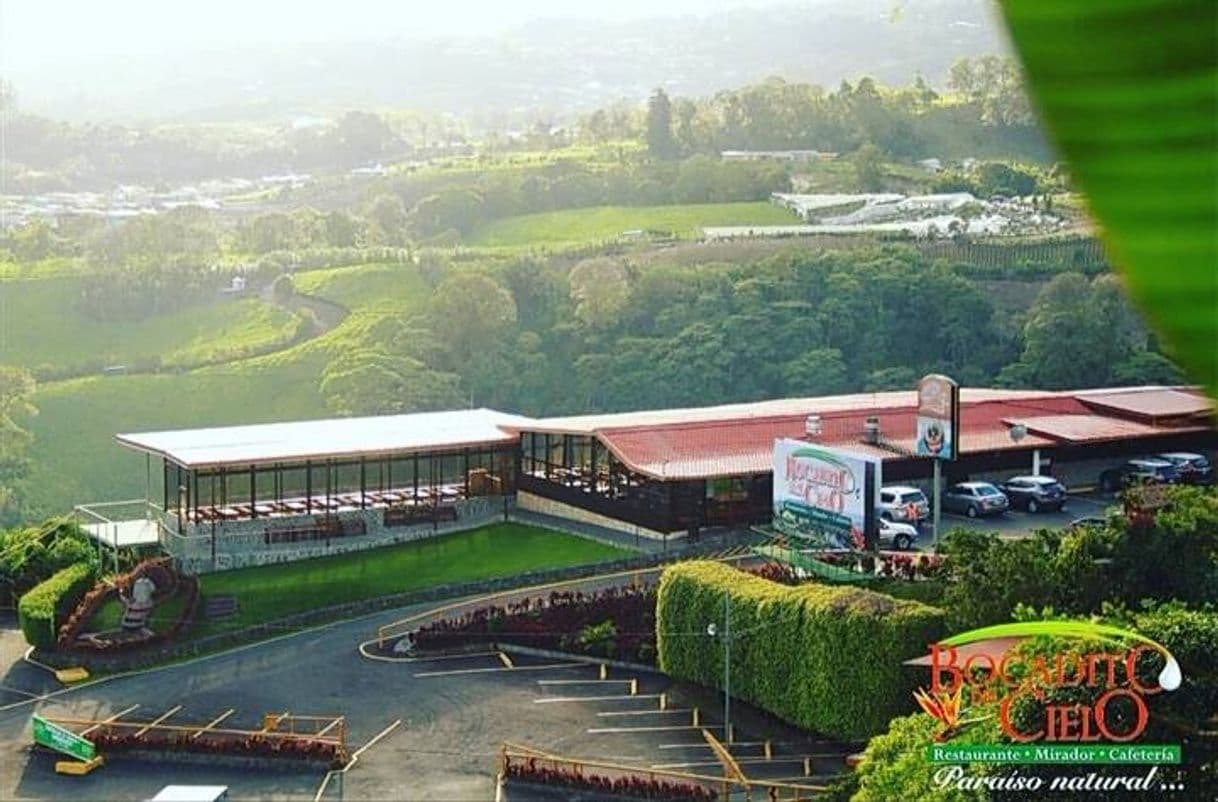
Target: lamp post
(712,630)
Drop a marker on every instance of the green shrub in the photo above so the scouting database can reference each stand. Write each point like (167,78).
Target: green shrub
(47,604)
(895,764)
(825,658)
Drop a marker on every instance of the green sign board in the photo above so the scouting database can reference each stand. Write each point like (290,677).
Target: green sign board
(56,737)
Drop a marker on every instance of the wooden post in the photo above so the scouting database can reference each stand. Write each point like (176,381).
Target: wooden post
(604,673)
(663,701)
(695,721)
(634,687)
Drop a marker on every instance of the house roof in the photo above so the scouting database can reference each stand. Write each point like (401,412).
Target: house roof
(297,441)
(1150,403)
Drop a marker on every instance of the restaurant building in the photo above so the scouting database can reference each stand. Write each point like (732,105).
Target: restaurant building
(247,495)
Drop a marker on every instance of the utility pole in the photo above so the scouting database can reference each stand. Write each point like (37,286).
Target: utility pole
(727,667)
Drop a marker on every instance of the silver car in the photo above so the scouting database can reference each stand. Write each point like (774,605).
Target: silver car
(900,537)
(975,499)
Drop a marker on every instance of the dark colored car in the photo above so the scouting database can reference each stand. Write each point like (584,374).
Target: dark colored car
(1035,493)
(1090,520)
(1139,471)
(975,499)
(1194,469)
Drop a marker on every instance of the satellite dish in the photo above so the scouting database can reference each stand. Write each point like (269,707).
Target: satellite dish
(1018,432)
(711,629)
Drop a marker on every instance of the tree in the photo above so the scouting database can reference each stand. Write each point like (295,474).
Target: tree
(660,142)
(16,389)
(471,312)
(283,288)
(820,371)
(375,382)
(387,214)
(600,288)
(996,178)
(1147,367)
(868,163)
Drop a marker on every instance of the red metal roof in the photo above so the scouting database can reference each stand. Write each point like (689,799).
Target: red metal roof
(1150,403)
(738,439)
(1085,428)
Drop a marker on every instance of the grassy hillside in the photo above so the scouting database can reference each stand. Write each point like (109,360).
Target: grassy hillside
(76,459)
(42,329)
(600,223)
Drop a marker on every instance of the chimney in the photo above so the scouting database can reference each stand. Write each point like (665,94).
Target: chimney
(871,431)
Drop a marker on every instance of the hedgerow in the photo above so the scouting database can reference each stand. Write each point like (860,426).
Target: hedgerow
(47,603)
(826,658)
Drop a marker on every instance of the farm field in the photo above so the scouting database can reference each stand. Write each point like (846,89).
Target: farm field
(42,330)
(599,223)
(501,549)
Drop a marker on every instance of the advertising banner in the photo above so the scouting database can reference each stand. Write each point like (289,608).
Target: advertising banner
(938,418)
(56,737)
(825,496)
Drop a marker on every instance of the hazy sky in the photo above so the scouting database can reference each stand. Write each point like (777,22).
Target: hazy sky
(34,32)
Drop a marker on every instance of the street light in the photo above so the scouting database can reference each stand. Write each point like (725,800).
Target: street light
(712,629)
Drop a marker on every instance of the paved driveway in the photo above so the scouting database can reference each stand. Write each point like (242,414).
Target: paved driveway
(455,715)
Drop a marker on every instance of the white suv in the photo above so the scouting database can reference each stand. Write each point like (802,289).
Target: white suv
(900,503)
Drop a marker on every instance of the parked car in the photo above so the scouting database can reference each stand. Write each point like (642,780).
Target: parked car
(974,499)
(1088,520)
(1194,469)
(1139,471)
(897,536)
(900,503)
(1035,493)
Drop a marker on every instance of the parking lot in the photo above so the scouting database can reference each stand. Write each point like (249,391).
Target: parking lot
(1018,523)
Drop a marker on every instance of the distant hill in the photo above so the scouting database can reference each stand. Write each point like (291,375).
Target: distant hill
(549,69)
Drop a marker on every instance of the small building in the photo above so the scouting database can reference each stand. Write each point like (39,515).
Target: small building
(246,495)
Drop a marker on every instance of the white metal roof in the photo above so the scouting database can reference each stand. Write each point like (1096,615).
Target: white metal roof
(191,793)
(297,441)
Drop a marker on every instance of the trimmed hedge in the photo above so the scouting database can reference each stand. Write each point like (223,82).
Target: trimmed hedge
(42,608)
(826,658)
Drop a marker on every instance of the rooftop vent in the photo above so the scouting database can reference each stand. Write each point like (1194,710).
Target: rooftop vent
(812,426)
(871,431)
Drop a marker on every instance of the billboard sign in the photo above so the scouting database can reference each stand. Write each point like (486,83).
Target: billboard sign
(62,740)
(938,418)
(825,496)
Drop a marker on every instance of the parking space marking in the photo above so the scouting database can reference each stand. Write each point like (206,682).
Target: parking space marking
(496,670)
(658,728)
(581,681)
(616,713)
(801,759)
(553,699)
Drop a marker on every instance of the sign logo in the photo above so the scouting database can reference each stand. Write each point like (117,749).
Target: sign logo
(987,664)
(823,495)
(938,417)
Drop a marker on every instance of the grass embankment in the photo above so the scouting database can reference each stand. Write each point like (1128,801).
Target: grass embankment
(270,592)
(77,460)
(600,223)
(43,329)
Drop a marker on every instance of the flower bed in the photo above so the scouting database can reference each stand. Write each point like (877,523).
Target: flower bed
(571,622)
(220,743)
(635,786)
(168,583)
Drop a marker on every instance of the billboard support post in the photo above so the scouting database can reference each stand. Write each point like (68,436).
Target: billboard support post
(937,490)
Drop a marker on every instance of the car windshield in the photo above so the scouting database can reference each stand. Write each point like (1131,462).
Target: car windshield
(1199,462)
(913,498)
(988,490)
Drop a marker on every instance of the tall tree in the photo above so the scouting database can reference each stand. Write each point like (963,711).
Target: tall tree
(660,141)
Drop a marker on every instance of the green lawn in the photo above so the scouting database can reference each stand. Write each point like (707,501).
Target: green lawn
(166,613)
(599,223)
(42,327)
(502,549)
(361,285)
